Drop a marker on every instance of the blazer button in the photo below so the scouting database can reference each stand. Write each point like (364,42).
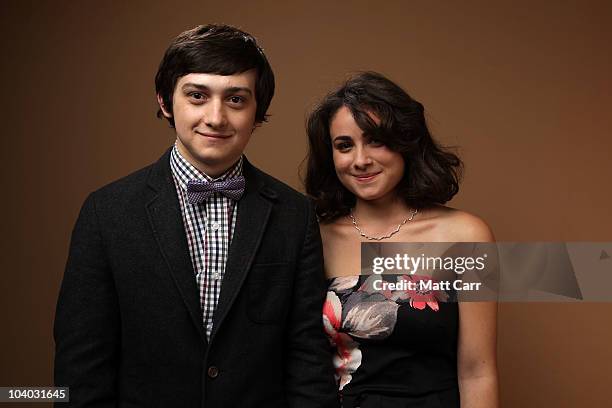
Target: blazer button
(213,372)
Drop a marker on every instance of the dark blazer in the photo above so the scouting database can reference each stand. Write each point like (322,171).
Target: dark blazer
(128,327)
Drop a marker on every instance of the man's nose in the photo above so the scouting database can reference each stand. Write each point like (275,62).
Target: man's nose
(214,114)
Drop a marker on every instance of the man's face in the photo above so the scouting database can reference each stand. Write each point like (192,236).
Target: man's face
(214,117)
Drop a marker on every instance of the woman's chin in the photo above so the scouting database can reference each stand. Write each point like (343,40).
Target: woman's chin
(369,196)
(372,195)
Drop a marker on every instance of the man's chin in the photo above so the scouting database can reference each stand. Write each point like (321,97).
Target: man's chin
(217,164)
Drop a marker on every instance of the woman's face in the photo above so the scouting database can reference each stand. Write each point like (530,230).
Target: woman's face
(368,169)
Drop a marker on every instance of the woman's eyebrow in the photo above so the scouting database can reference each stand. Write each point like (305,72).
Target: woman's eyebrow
(341,137)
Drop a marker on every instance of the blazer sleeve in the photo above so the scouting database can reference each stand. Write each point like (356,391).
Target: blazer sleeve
(87,325)
(309,379)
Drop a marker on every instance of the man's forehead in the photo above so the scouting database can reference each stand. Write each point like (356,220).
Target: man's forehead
(215,81)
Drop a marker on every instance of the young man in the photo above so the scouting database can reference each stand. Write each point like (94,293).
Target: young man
(197,281)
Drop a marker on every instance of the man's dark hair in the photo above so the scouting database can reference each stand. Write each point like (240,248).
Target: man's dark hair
(431,174)
(215,49)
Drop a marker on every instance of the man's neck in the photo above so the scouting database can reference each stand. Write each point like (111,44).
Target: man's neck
(212,171)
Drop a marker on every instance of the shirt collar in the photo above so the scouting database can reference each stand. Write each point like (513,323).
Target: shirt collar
(184,171)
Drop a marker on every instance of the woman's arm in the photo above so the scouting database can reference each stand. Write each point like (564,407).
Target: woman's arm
(477,345)
(476,355)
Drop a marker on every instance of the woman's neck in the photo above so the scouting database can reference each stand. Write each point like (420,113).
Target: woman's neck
(378,216)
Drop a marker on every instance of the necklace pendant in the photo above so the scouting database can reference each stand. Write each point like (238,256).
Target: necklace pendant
(395,231)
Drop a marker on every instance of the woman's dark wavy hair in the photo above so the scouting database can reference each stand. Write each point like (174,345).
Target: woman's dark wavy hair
(431,174)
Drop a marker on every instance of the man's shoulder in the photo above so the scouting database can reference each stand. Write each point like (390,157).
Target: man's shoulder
(133,186)
(127,184)
(277,189)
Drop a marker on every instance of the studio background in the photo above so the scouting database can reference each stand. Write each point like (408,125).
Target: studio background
(523,88)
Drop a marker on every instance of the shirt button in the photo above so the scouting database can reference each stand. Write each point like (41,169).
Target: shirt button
(213,372)
(215,226)
(216,275)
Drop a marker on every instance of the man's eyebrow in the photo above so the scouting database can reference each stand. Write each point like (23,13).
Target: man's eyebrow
(233,89)
(194,85)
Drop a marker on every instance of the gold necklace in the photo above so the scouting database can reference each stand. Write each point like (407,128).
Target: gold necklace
(395,231)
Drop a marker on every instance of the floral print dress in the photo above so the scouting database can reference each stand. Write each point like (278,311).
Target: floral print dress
(392,348)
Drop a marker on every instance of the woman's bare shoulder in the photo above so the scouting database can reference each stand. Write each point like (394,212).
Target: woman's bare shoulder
(459,226)
(335,229)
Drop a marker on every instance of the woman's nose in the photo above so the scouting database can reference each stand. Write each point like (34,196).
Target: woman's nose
(362,157)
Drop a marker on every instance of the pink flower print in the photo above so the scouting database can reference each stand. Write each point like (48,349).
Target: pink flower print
(341,283)
(347,357)
(332,314)
(368,287)
(420,298)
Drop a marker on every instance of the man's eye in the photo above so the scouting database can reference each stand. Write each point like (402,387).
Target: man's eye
(236,99)
(196,95)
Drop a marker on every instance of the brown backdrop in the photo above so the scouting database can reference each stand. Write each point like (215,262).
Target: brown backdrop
(523,89)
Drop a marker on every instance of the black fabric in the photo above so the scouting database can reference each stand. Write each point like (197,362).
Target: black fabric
(128,326)
(448,398)
(415,364)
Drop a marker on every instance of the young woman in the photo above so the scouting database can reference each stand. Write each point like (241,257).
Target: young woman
(376,174)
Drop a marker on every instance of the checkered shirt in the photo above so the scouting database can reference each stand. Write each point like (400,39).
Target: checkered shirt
(209,227)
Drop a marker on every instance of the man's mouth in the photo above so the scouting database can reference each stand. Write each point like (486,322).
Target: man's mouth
(213,135)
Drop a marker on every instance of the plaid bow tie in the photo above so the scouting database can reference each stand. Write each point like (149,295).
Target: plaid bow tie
(199,190)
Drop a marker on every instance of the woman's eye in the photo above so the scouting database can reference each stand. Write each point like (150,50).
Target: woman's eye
(376,143)
(343,146)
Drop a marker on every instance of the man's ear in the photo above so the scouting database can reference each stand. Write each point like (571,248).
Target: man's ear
(160,101)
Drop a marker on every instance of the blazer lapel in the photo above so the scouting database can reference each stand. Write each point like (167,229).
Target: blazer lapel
(254,209)
(167,224)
